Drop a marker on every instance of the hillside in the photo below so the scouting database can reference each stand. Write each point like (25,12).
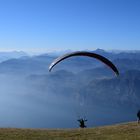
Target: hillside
(127,131)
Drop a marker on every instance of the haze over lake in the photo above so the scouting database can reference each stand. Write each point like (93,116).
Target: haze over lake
(79,87)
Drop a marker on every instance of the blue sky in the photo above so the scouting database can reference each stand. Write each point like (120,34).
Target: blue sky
(41,25)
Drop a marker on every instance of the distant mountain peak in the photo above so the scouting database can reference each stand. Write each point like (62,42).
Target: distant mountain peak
(100,50)
(11,54)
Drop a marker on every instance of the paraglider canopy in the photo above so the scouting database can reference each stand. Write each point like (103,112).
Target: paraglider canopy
(88,54)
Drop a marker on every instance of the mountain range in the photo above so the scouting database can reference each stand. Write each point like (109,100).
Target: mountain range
(79,86)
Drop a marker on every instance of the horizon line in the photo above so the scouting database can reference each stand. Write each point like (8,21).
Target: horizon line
(31,51)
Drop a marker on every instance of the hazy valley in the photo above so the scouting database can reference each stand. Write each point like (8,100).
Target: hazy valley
(78,87)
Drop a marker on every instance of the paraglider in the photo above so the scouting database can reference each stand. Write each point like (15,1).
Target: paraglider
(82,123)
(88,54)
(85,54)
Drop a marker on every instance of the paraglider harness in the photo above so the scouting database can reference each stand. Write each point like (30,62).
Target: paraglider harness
(82,123)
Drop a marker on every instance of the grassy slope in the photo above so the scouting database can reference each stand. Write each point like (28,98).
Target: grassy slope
(129,131)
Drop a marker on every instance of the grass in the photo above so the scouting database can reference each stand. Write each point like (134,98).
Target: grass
(127,131)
